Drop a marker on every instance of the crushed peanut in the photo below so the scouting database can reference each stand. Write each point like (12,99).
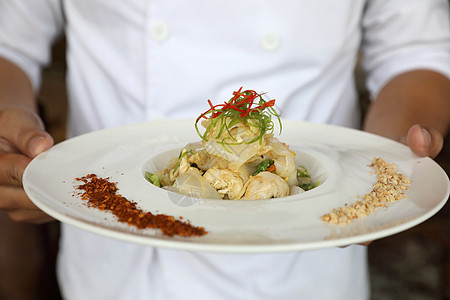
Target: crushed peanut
(391,186)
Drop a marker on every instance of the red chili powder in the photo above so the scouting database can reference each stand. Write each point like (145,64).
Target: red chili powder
(102,194)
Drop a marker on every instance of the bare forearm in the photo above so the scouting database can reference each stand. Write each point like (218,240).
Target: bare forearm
(416,97)
(15,87)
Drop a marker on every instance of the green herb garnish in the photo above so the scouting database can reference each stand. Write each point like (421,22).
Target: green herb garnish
(302,172)
(263,166)
(304,179)
(153,178)
(246,107)
(180,157)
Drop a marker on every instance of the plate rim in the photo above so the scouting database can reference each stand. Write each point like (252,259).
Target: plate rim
(225,248)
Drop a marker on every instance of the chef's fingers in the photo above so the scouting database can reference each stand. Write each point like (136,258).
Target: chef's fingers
(24,130)
(29,216)
(15,198)
(16,204)
(12,166)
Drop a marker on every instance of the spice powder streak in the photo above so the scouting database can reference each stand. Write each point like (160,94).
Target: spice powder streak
(102,194)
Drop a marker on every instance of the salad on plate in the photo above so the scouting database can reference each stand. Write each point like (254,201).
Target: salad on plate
(238,156)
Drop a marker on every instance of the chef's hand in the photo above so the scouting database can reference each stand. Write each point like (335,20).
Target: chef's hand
(424,141)
(22,137)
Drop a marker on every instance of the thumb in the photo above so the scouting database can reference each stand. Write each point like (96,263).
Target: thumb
(424,141)
(24,130)
(38,143)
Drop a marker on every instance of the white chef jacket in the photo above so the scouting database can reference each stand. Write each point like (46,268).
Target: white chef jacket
(137,60)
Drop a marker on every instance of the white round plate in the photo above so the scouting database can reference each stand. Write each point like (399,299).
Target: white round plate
(338,157)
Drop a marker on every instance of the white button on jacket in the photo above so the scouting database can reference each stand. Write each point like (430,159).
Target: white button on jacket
(159,31)
(270,41)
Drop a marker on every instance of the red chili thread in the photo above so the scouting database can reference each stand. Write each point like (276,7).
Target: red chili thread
(241,102)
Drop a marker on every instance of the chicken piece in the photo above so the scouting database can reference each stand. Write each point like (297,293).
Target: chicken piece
(226,182)
(205,161)
(241,130)
(181,167)
(285,166)
(274,147)
(283,158)
(235,149)
(265,185)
